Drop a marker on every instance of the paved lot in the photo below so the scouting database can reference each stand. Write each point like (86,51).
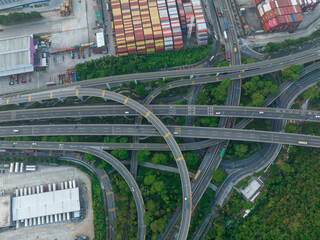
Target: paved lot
(59,231)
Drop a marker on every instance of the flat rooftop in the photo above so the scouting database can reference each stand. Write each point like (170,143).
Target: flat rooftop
(5,218)
(16,55)
(251,190)
(45,204)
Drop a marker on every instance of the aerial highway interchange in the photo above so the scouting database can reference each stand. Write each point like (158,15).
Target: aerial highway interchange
(191,192)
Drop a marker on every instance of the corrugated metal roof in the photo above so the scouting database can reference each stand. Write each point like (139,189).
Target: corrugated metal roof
(44,204)
(16,55)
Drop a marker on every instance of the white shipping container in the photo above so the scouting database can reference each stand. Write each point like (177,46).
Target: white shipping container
(25,191)
(21,191)
(21,167)
(17,192)
(38,189)
(74,184)
(16,169)
(11,167)
(65,185)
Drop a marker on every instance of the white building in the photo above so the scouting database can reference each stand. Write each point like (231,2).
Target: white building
(252,190)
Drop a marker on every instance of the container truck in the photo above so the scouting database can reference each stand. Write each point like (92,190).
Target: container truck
(225,36)
(226,26)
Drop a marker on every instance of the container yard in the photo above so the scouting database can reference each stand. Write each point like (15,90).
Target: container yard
(283,15)
(142,27)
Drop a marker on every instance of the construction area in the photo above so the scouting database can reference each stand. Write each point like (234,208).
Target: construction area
(43,205)
(158,25)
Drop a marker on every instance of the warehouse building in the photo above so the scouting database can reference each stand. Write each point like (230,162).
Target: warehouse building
(11,4)
(45,204)
(252,190)
(16,55)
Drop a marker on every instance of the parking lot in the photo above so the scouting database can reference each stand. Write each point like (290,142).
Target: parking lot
(59,231)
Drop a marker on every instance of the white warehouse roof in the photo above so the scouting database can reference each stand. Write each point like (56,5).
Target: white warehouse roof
(44,204)
(100,39)
(16,55)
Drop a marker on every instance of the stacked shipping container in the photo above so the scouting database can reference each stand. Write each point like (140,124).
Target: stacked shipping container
(189,16)
(202,31)
(308,5)
(279,15)
(147,26)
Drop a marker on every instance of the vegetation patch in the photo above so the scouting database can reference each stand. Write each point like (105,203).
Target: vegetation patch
(111,66)
(19,17)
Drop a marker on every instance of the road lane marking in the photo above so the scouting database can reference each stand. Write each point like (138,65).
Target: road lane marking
(167,135)
(104,176)
(77,92)
(29,98)
(179,159)
(147,114)
(125,101)
(103,92)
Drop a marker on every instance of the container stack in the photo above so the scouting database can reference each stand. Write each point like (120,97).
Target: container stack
(308,5)
(120,40)
(189,16)
(182,15)
(128,26)
(147,27)
(201,26)
(279,15)
(156,26)
(165,25)
(175,24)
(139,44)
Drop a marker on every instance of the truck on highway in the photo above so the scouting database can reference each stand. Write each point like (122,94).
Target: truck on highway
(219,12)
(234,49)
(302,142)
(228,56)
(226,26)
(225,36)
(196,176)
(16,131)
(223,150)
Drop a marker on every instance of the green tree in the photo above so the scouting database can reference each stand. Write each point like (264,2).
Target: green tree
(88,157)
(143,155)
(191,158)
(292,128)
(240,150)
(159,158)
(257,99)
(123,140)
(74,138)
(218,176)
